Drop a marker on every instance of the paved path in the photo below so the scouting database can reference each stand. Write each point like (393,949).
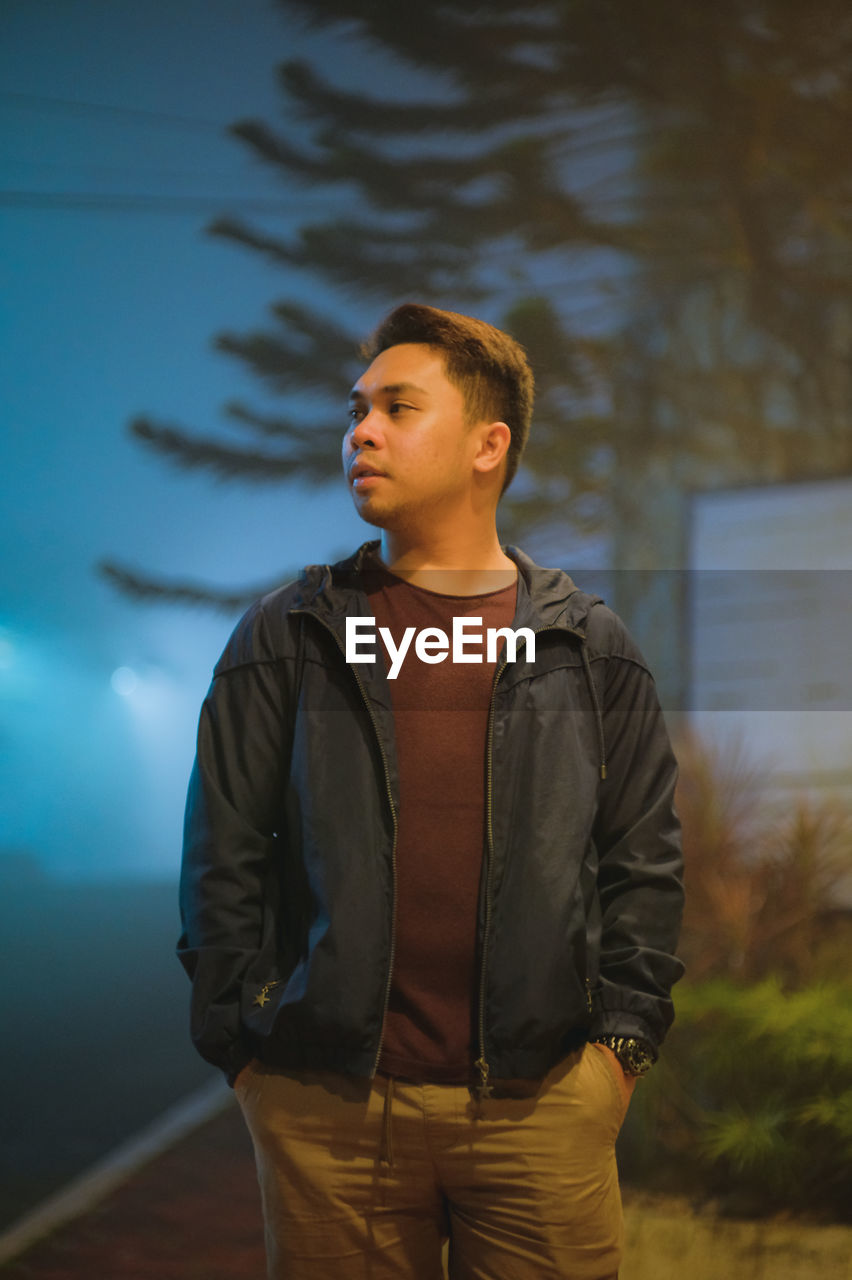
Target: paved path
(95,1015)
(191,1213)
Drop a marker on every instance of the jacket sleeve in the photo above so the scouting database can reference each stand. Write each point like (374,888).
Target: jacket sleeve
(229,832)
(640,863)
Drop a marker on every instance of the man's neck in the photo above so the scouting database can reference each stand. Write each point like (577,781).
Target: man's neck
(444,565)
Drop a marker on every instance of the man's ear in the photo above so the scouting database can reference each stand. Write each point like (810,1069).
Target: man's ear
(494,441)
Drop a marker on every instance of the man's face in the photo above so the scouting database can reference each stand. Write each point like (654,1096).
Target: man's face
(407,450)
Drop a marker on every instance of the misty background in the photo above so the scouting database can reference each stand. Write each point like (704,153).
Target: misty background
(204,206)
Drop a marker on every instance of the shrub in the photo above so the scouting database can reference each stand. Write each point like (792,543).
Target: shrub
(751,1102)
(761,882)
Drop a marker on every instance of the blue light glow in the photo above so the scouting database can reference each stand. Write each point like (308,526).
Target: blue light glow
(124,681)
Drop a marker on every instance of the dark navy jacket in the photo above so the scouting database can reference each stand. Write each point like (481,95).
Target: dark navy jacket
(288,876)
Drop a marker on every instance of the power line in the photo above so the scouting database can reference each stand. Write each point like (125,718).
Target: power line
(117,172)
(37,101)
(139,203)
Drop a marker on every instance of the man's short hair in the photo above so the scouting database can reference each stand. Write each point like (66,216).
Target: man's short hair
(488,366)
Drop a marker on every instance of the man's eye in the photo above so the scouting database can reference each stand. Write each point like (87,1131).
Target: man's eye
(399,406)
(355,414)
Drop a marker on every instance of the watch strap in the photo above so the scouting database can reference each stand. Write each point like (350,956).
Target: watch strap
(635,1056)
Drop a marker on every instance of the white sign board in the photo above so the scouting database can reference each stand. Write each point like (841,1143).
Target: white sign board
(769,626)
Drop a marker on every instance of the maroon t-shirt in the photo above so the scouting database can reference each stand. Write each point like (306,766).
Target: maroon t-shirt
(440,720)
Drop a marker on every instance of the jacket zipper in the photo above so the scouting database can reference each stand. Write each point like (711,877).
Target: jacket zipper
(360,684)
(483,1089)
(262,998)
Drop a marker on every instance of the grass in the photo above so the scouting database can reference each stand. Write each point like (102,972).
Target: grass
(667,1240)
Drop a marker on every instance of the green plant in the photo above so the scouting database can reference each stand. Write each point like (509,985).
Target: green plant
(754,1103)
(751,1102)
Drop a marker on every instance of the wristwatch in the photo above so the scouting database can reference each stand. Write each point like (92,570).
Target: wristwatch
(636,1057)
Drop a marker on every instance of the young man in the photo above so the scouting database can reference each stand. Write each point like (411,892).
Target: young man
(431,885)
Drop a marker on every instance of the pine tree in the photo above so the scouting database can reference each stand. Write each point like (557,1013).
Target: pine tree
(658,205)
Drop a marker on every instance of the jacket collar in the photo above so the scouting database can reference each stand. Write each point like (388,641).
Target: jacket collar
(546,597)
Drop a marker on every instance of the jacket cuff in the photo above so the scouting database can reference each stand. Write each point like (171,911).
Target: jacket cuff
(619,1022)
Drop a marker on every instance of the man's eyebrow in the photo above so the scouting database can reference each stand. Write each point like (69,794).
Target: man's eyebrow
(392,389)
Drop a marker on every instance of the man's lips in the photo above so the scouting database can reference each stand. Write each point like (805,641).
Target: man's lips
(362,473)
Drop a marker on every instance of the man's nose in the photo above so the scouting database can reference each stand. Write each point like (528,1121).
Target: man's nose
(364,432)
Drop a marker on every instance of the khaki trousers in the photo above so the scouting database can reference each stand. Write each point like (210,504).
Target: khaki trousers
(368,1178)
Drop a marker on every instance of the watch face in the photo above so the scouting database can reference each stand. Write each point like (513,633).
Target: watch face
(637,1058)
